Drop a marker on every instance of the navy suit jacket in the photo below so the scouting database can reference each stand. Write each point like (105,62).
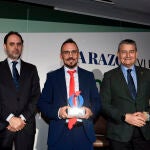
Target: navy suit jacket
(54,96)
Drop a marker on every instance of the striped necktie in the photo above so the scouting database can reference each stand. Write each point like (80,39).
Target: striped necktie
(131,84)
(15,74)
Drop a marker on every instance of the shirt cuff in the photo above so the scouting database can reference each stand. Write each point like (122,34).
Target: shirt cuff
(147,116)
(58,114)
(9,117)
(22,117)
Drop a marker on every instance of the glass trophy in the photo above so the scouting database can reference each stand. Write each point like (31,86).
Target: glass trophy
(75,110)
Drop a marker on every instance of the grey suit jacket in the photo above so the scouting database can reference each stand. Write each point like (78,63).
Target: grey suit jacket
(117,100)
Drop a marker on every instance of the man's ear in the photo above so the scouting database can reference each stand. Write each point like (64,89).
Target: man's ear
(4,45)
(60,56)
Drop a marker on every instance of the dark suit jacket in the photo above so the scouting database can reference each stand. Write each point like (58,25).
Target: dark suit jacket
(3,123)
(54,96)
(22,101)
(117,100)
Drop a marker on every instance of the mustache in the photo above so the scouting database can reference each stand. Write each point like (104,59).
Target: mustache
(70,58)
(126,58)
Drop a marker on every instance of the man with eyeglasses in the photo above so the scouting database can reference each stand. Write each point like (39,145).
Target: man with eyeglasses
(67,131)
(125,93)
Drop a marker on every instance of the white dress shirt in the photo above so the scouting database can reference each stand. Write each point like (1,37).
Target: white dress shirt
(18,66)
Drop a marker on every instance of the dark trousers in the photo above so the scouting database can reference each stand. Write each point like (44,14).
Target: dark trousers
(136,143)
(21,141)
(74,139)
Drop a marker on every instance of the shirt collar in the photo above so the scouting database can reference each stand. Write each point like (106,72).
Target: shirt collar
(125,68)
(68,69)
(10,61)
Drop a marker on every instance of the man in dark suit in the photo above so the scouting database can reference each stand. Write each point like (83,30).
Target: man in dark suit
(125,101)
(19,92)
(53,103)
(3,123)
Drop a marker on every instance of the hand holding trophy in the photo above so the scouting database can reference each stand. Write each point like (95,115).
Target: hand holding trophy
(75,102)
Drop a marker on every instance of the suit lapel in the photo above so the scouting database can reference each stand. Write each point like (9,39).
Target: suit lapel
(124,84)
(62,83)
(8,74)
(23,73)
(139,74)
(81,80)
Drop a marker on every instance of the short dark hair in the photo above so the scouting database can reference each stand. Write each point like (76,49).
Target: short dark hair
(70,40)
(127,41)
(12,33)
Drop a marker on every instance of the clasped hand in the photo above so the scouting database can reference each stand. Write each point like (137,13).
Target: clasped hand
(16,124)
(136,119)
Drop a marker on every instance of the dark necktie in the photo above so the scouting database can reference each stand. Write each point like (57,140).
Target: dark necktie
(15,74)
(72,121)
(131,84)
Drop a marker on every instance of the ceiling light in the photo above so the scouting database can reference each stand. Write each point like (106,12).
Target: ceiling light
(105,1)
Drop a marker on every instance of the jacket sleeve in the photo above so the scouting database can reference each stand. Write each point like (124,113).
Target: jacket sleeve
(94,97)
(30,109)
(108,109)
(46,103)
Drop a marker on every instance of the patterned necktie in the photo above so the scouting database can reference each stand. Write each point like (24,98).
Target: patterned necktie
(15,74)
(131,84)
(72,121)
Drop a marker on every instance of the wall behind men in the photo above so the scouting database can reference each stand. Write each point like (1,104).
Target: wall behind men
(44,31)
(97,54)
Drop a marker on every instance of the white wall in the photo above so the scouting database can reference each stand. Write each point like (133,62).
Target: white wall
(43,50)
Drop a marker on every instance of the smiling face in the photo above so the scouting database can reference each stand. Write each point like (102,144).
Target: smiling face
(13,47)
(70,55)
(127,54)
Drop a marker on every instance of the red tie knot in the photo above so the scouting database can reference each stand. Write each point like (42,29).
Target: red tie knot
(71,72)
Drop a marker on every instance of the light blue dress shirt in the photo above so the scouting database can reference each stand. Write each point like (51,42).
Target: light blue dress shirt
(133,74)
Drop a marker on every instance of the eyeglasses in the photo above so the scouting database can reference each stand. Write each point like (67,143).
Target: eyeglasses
(67,53)
(125,52)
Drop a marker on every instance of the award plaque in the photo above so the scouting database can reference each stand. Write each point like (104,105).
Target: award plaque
(76,110)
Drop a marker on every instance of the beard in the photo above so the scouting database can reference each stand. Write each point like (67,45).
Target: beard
(71,65)
(14,55)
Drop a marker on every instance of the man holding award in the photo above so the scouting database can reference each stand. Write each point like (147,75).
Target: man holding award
(70,100)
